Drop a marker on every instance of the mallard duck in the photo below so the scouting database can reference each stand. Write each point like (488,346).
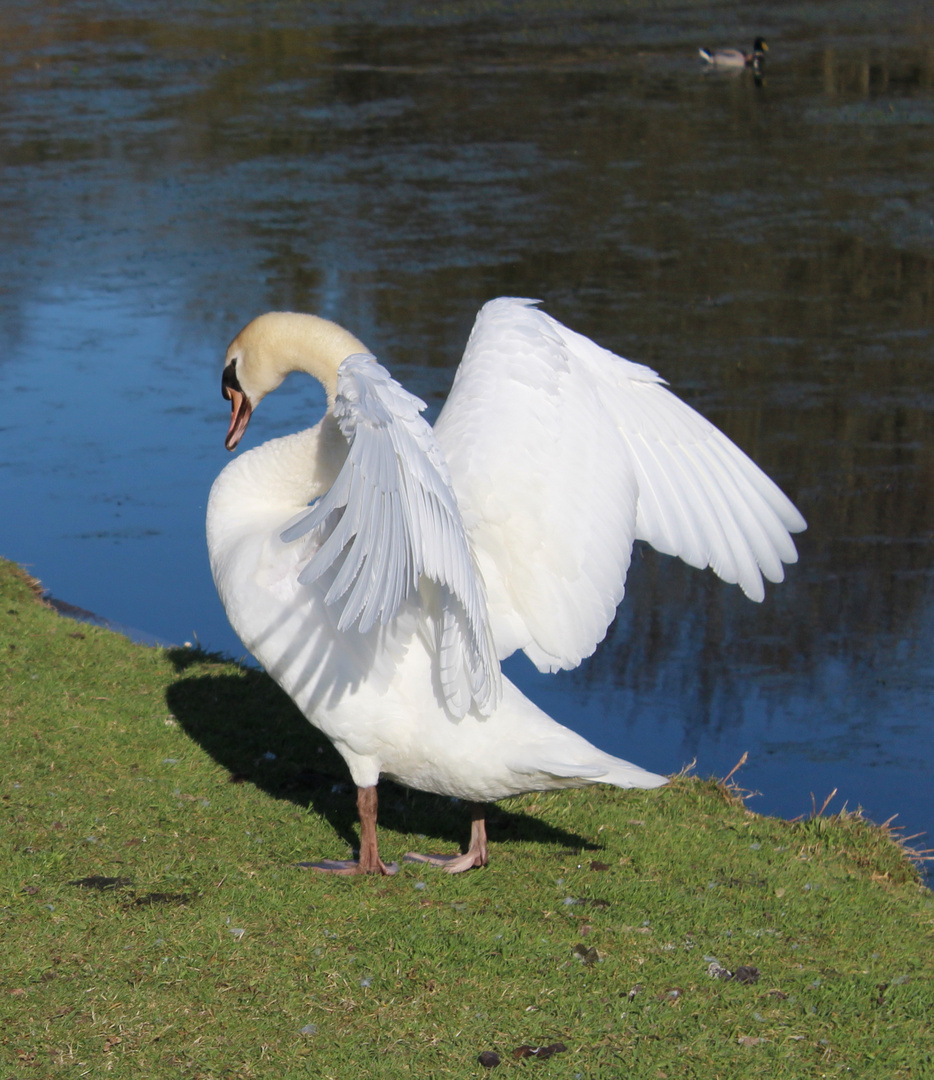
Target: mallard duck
(736,57)
(380,569)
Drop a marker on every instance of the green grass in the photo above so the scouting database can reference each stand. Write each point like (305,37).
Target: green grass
(213,955)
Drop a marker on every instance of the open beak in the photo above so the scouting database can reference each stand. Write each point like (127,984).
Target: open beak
(240,408)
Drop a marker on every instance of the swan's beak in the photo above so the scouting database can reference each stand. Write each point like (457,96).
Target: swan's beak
(240,408)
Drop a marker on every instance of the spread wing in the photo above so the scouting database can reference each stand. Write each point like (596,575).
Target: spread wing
(391,519)
(562,454)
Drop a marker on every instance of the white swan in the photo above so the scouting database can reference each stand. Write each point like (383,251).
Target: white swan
(429,555)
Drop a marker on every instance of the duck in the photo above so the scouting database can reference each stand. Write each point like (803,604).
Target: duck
(736,58)
(380,569)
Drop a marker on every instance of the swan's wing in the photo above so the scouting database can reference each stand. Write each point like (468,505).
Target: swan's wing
(391,518)
(562,454)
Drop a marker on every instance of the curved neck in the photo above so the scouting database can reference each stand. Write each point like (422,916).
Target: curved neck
(312,344)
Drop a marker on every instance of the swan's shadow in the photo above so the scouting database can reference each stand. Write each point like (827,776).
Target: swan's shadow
(252,728)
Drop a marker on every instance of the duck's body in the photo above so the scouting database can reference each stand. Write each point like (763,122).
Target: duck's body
(736,58)
(432,554)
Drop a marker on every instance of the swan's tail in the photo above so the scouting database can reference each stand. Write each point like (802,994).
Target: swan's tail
(625,774)
(571,761)
(606,769)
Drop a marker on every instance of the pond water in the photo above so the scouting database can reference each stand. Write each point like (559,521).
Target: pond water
(767,245)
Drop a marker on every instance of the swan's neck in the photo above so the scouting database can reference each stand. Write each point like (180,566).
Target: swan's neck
(285,473)
(299,342)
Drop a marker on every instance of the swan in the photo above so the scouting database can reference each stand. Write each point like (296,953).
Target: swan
(380,569)
(736,58)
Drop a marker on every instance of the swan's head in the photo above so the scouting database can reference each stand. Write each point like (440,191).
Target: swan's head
(271,346)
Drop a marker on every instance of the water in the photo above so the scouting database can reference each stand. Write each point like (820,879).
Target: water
(768,248)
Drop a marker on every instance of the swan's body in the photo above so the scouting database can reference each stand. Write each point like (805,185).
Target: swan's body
(736,58)
(431,554)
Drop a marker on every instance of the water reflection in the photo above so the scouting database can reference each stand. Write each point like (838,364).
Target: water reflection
(767,247)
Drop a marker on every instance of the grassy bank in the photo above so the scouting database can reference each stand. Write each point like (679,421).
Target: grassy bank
(154,804)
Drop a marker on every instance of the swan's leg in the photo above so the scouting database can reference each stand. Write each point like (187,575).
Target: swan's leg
(476,854)
(369,861)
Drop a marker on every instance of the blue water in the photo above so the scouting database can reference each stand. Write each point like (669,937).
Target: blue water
(769,248)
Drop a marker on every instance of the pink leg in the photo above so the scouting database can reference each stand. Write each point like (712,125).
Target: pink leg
(476,854)
(369,861)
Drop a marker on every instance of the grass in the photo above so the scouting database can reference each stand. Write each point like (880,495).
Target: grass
(153,921)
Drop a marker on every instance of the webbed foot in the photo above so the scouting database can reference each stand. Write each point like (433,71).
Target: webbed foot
(347,867)
(475,855)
